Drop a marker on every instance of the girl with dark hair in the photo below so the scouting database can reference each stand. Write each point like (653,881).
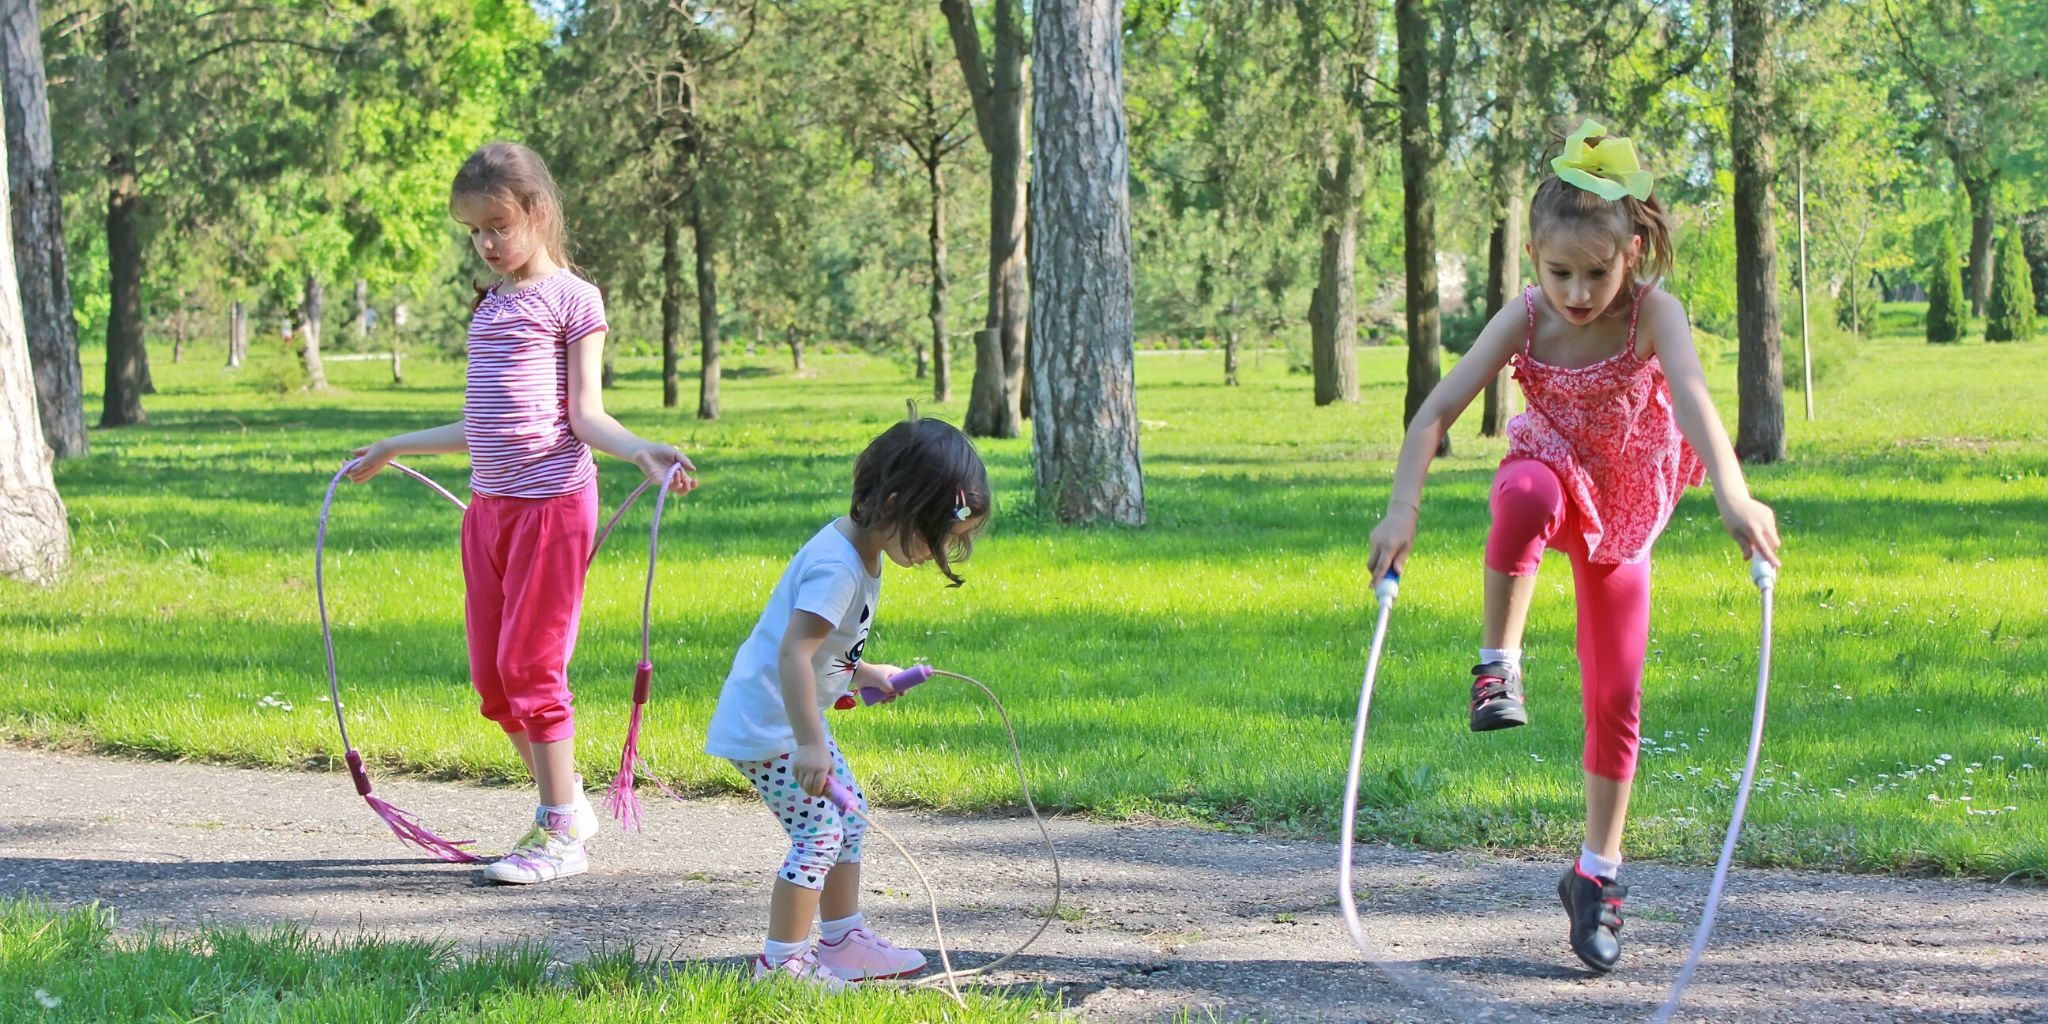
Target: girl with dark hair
(1618,419)
(531,412)
(920,495)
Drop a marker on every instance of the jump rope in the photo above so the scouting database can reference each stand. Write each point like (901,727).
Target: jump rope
(620,798)
(1440,990)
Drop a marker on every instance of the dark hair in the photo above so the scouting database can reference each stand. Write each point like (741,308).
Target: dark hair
(915,478)
(515,174)
(1560,204)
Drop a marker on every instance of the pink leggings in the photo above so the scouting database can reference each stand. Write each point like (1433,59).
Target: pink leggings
(1530,513)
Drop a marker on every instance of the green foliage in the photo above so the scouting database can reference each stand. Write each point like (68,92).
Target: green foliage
(1948,306)
(2009,316)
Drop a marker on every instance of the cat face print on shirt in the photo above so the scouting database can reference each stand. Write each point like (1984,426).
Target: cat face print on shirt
(846,663)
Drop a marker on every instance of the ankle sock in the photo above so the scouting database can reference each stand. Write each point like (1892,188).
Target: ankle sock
(777,952)
(836,930)
(1599,867)
(1511,656)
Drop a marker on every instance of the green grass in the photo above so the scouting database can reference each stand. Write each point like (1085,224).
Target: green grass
(1205,667)
(61,966)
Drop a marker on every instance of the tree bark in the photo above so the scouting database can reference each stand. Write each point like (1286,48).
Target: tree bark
(1983,218)
(671,312)
(1503,281)
(994,402)
(796,351)
(125,354)
(703,239)
(1333,310)
(1085,439)
(942,368)
(314,307)
(362,310)
(397,342)
(35,538)
(1759,372)
(38,204)
(178,331)
(1421,153)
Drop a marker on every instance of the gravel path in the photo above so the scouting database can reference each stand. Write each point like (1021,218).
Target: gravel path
(1158,918)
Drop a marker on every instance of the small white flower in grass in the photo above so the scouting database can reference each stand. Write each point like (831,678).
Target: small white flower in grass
(49,1001)
(1535,757)
(1945,758)
(1976,764)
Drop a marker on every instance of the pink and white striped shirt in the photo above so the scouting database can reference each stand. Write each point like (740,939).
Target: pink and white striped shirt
(515,407)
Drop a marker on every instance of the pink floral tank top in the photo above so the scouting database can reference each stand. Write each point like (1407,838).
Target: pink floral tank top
(1608,432)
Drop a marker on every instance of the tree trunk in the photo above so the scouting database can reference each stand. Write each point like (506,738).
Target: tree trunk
(178,332)
(796,350)
(1504,245)
(942,368)
(35,538)
(1333,311)
(1230,346)
(1760,372)
(397,342)
(1983,200)
(309,331)
(1503,282)
(362,310)
(1085,440)
(238,334)
(702,236)
(1421,153)
(38,205)
(671,312)
(994,402)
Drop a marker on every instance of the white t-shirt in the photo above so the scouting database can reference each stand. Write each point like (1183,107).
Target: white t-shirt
(828,579)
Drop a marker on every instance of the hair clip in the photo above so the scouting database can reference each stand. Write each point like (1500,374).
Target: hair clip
(961,513)
(1607,167)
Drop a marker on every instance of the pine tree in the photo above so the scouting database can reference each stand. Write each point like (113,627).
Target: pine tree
(1948,306)
(2010,315)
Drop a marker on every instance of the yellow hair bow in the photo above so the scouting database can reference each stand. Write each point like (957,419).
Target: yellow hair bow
(1606,168)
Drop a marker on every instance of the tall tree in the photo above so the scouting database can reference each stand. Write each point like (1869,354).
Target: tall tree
(127,360)
(35,538)
(1085,438)
(1507,154)
(995,401)
(1339,55)
(38,206)
(1760,370)
(1980,65)
(1422,152)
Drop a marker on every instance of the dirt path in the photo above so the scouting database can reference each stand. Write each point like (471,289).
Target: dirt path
(1167,917)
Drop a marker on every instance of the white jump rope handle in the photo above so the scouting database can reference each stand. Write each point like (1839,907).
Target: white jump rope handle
(1765,576)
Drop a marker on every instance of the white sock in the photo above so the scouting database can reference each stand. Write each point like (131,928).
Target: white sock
(1511,656)
(836,930)
(1599,867)
(540,814)
(776,952)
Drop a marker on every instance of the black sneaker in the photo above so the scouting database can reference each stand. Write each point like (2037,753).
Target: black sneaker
(1497,697)
(1595,907)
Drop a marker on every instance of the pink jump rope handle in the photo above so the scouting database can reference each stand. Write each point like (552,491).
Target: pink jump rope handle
(841,797)
(902,681)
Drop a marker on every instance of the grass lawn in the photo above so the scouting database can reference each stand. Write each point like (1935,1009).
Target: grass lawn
(66,966)
(1204,667)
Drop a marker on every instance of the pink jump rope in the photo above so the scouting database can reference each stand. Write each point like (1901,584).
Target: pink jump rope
(844,799)
(1435,988)
(620,798)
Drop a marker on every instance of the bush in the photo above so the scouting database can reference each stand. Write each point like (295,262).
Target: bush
(1948,306)
(2009,316)
(1856,308)
(1834,350)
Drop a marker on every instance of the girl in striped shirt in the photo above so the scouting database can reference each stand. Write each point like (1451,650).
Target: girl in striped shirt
(531,412)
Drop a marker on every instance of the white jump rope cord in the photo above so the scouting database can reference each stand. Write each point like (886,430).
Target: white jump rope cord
(1435,989)
(949,977)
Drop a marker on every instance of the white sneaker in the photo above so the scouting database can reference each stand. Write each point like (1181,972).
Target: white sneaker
(861,955)
(804,968)
(547,852)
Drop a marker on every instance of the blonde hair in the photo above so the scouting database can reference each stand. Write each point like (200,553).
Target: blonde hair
(1560,205)
(515,174)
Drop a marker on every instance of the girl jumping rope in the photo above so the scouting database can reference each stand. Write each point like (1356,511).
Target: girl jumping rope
(1617,409)
(920,494)
(531,412)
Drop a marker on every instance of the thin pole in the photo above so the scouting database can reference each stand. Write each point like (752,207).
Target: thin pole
(1805,347)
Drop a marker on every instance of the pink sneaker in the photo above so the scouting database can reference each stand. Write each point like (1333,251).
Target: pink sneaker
(864,956)
(805,969)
